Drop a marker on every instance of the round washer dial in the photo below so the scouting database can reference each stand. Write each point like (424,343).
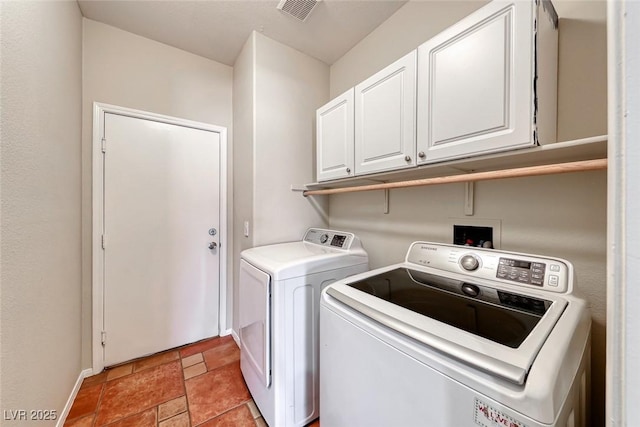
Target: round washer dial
(469,262)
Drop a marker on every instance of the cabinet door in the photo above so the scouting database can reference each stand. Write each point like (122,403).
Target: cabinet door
(475,84)
(334,138)
(385,118)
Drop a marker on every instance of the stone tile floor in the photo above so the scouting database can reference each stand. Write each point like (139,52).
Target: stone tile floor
(196,385)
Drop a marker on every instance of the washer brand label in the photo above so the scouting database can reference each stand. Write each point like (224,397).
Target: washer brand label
(487,416)
(428,248)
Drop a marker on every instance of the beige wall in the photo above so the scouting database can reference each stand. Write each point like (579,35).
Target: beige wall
(582,69)
(41,47)
(563,216)
(127,70)
(277,90)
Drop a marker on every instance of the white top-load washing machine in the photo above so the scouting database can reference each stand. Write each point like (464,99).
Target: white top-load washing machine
(456,336)
(280,288)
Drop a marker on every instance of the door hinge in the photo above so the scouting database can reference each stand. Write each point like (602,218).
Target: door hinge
(103,145)
(103,337)
(104,243)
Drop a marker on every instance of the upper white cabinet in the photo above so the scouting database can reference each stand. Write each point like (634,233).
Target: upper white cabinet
(334,138)
(488,83)
(385,116)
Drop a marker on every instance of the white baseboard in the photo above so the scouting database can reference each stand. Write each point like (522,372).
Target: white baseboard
(76,388)
(233,334)
(236,338)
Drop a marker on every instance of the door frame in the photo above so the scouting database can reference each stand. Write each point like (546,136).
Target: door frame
(97,256)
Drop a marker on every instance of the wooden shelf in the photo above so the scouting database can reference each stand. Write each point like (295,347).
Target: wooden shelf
(560,157)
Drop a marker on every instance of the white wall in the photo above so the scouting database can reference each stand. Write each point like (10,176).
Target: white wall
(276,93)
(243,158)
(562,216)
(623,297)
(41,46)
(289,87)
(412,25)
(127,70)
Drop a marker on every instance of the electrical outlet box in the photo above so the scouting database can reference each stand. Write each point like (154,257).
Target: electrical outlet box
(471,235)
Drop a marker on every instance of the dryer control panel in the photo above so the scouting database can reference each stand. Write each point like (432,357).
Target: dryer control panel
(334,239)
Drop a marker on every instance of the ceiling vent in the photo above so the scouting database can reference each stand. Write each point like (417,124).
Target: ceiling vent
(299,9)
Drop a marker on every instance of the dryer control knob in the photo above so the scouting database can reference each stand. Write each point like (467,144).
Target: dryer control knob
(469,262)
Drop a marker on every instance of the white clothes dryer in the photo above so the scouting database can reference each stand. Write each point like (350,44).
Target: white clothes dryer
(279,296)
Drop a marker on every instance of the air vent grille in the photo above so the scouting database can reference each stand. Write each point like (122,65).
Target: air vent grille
(299,9)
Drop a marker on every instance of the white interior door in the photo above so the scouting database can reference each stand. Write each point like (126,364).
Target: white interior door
(161,198)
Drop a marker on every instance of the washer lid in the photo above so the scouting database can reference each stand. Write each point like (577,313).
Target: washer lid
(294,259)
(497,331)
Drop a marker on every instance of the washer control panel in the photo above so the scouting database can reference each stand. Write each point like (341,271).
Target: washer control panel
(335,239)
(551,274)
(521,271)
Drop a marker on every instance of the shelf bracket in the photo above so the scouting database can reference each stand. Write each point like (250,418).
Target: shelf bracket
(469,188)
(386,201)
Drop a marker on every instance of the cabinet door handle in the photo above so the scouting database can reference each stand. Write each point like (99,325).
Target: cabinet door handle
(348,170)
(421,155)
(407,158)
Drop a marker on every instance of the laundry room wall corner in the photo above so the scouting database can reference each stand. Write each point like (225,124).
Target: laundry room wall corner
(243,118)
(284,143)
(274,144)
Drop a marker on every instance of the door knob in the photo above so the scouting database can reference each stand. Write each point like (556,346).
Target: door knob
(213,245)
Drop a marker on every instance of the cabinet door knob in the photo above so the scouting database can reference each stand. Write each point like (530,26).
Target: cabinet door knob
(348,170)
(421,155)
(407,158)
